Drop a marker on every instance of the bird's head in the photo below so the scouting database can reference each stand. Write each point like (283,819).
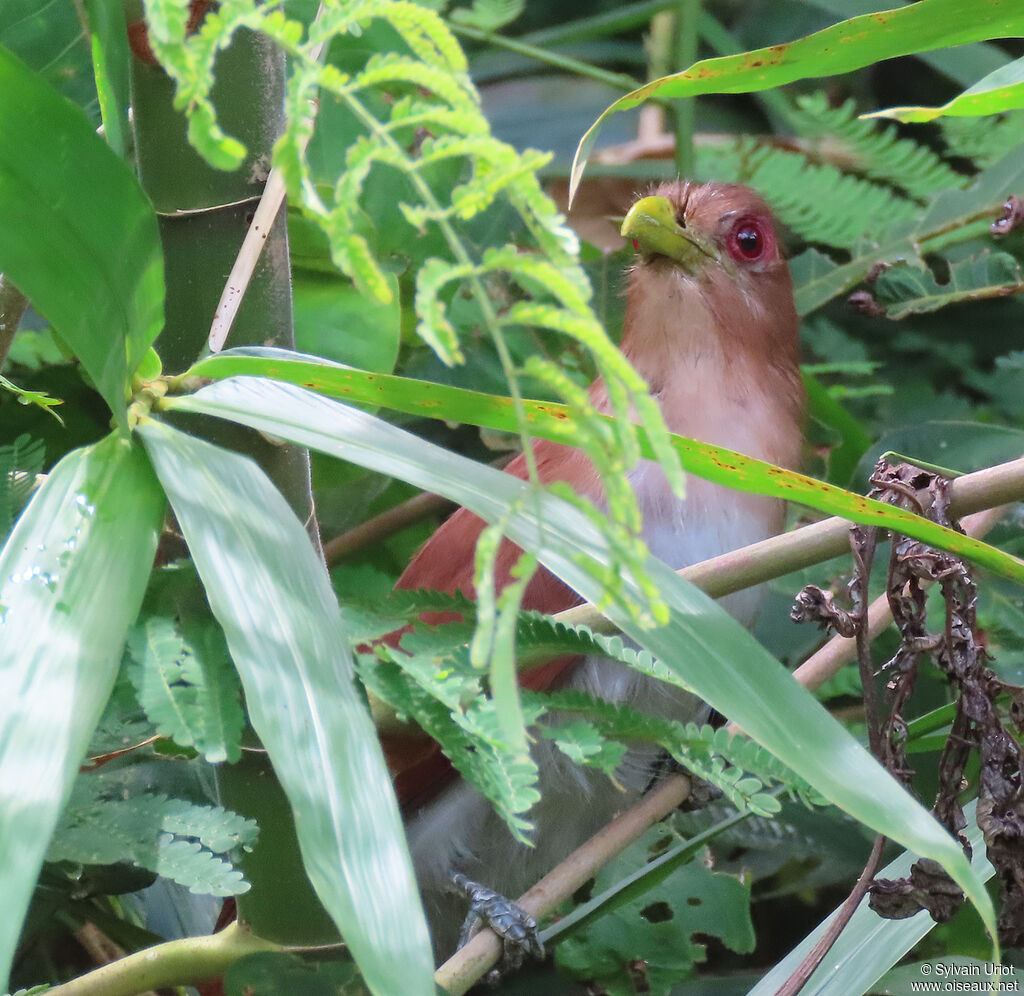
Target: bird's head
(697,226)
(710,276)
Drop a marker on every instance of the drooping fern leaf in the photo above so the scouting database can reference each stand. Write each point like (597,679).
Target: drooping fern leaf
(106,822)
(983,140)
(873,150)
(417,112)
(506,778)
(740,768)
(431,679)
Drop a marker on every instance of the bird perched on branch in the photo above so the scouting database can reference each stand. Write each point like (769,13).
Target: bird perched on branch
(711,326)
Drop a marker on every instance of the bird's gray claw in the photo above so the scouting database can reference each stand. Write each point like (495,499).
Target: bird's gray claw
(516,928)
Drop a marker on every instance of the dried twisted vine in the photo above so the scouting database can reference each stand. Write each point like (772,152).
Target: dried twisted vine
(978,726)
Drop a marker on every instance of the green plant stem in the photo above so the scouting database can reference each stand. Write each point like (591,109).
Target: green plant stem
(620,81)
(686,36)
(177,963)
(462,257)
(12,306)
(608,23)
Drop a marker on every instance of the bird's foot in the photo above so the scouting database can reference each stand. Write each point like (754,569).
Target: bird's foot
(512,924)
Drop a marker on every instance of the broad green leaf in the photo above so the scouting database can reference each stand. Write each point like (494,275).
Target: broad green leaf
(868,946)
(50,40)
(73,575)
(955,215)
(77,234)
(332,319)
(548,420)
(848,45)
(701,647)
(963,447)
(906,290)
(273,599)
(1001,90)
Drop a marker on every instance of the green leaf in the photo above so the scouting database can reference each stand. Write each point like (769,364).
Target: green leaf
(848,45)
(659,928)
(50,40)
(962,446)
(109,822)
(73,575)
(952,216)
(272,597)
(86,254)
(333,320)
(187,686)
(488,15)
(1001,90)
(280,972)
(38,398)
(704,649)
(547,420)
(906,290)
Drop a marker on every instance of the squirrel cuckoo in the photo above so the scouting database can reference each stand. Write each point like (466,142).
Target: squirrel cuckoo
(711,326)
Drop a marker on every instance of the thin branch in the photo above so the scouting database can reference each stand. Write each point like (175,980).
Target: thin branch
(806,968)
(392,520)
(380,527)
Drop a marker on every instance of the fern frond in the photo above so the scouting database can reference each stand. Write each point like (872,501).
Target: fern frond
(506,779)
(983,140)
(187,686)
(421,29)
(741,769)
(105,823)
(418,113)
(874,150)
(392,67)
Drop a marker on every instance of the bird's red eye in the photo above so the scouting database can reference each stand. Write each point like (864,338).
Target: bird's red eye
(751,240)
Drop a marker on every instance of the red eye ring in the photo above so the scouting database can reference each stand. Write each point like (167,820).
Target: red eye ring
(751,240)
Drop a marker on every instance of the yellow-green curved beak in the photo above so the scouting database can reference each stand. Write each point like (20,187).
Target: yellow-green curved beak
(651,225)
